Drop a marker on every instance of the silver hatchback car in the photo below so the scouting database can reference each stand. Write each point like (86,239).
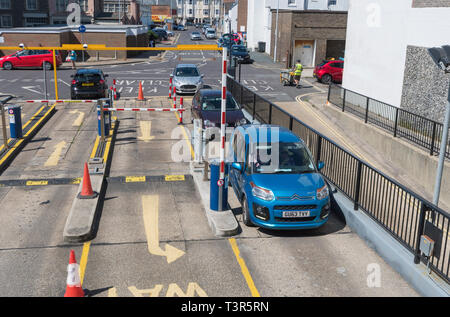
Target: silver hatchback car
(187,79)
(196,36)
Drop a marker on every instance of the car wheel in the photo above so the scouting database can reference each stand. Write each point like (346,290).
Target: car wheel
(326,79)
(47,65)
(7,66)
(246,213)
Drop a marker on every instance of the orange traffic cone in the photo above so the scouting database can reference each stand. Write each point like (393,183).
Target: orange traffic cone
(141,94)
(86,188)
(73,288)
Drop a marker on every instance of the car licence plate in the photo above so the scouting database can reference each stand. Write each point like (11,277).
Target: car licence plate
(88,84)
(296,214)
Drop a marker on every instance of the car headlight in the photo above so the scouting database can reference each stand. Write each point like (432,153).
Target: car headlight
(323,192)
(262,193)
(209,124)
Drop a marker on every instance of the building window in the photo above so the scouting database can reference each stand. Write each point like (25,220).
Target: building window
(6,21)
(291,2)
(83,4)
(332,2)
(35,21)
(190,11)
(205,2)
(61,5)
(217,12)
(32,4)
(5,4)
(205,12)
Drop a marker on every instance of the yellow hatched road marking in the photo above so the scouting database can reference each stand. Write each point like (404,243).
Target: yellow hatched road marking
(83,260)
(36,183)
(131,179)
(174,178)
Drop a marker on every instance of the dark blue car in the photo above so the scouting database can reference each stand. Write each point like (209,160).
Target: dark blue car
(274,176)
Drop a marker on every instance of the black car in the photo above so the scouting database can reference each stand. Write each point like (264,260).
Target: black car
(162,34)
(89,83)
(207,104)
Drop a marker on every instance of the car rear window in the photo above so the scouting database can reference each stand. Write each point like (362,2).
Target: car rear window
(91,77)
(214,103)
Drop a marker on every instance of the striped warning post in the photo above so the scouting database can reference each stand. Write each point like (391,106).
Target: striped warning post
(222,126)
(145,109)
(59,101)
(181,112)
(170,88)
(174,97)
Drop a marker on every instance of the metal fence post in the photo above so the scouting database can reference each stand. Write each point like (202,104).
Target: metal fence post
(358,185)
(367,110)
(270,113)
(5,137)
(396,123)
(291,123)
(318,149)
(423,210)
(254,106)
(433,137)
(329,92)
(343,100)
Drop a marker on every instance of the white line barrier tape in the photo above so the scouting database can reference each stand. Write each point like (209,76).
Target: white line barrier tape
(144,109)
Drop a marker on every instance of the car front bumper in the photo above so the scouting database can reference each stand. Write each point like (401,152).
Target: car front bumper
(276,220)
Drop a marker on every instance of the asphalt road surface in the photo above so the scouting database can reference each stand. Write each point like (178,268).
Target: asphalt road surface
(153,237)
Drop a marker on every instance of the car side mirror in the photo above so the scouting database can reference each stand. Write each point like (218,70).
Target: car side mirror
(320,165)
(237,166)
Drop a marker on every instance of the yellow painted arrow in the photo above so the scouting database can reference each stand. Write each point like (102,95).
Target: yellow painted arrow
(54,158)
(150,207)
(146,131)
(78,121)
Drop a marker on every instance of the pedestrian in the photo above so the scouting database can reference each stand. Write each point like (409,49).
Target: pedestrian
(73,57)
(298,73)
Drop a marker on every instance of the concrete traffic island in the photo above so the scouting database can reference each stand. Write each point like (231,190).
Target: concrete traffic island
(222,223)
(82,222)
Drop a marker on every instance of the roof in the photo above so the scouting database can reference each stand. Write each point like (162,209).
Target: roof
(266,131)
(88,71)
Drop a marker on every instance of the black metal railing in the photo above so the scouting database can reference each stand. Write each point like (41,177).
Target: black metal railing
(400,211)
(417,129)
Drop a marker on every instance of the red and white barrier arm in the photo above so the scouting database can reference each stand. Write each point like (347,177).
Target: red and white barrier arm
(58,101)
(145,109)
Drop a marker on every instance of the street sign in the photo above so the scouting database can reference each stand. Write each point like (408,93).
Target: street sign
(220,182)
(82,29)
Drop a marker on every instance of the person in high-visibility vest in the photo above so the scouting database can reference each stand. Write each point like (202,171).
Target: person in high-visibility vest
(298,73)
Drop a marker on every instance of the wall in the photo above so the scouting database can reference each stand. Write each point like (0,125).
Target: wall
(258,23)
(378,35)
(242,16)
(341,5)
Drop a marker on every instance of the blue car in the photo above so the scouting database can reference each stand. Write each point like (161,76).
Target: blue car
(273,174)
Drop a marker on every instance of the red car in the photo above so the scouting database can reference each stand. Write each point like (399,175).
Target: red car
(329,71)
(30,58)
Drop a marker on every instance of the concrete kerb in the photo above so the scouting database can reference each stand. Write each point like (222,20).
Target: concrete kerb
(397,256)
(8,156)
(82,222)
(222,223)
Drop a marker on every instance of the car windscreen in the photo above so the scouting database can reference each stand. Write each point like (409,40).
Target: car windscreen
(88,77)
(239,49)
(281,158)
(214,103)
(186,72)
(195,33)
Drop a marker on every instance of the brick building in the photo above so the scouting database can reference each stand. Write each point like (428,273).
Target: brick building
(17,13)
(311,36)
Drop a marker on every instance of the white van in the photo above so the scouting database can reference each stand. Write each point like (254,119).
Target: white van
(210,33)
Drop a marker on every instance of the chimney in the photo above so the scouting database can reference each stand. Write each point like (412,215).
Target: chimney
(135,11)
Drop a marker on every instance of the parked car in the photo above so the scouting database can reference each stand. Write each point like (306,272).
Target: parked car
(162,34)
(89,83)
(210,33)
(181,27)
(187,78)
(242,52)
(207,105)
(205,26)
(328,71)
(30,59)
(189,23)
(197,25)
(277,183)
(196,36)
(170,33)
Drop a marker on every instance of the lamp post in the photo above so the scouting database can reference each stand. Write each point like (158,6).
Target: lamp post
(276,34)
(441,56)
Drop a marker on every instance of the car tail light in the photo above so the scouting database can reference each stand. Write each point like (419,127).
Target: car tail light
(74,82)
(102,81)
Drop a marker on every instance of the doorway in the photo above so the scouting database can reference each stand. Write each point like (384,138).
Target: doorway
(304,51)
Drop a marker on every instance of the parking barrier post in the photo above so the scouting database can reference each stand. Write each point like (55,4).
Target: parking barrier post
(170,88)
(181,112)
(114,89)
(174,97)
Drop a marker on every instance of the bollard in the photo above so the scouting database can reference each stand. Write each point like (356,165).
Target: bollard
(114,89)
(170,88)
(15,122)
(174,97)
(181,112)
